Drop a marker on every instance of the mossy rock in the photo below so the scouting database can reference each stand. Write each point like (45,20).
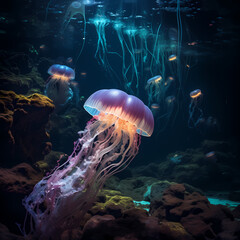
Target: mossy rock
(111,202)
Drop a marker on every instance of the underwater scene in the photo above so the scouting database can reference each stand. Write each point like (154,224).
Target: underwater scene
(119,120)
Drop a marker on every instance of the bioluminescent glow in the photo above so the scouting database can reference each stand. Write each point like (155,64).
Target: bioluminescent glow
(58,85)
(108,144)
(195,111)
(100,23)
(74,9)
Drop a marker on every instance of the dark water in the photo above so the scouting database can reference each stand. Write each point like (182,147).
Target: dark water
(203,35)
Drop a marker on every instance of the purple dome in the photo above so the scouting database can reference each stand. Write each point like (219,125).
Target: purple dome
(124,106)
(62,70)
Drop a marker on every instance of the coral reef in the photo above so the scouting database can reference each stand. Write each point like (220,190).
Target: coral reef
(23,121)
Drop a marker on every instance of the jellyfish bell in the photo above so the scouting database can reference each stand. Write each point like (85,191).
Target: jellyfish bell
(155,79)
(155,106)
(61,72)
(131,32)
(120,105)
(170,78)
(172,58)
(118,25)
(108,144)
(75,8)
(170,99)
(58,85)
(195,111)
(155,109)
(195,93)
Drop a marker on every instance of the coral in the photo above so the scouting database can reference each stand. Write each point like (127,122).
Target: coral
(23,120)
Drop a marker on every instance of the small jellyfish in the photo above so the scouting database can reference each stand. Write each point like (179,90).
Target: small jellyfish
(154,88)
(75,8)
(195,112)
(211,156)
(58,85)
(155,108)
(173,34)
(172,57)
(170,102)
(69,60)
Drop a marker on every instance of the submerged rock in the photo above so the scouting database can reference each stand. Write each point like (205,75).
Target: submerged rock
(209,167)
(193,210)
(23,120)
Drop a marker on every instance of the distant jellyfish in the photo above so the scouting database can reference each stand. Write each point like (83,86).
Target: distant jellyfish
(155,108)
(58,85)
(75,8)
(211,157)
(195,112)
(172,57)
(170,100)
(153,88)
(69,60)
(173,34)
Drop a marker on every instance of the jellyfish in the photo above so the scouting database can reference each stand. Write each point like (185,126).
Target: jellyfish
(166,115)
(76,8)
(155,108)
(172,57)
(108,144)
(100,23)
(157,89)
(118,26)
(131,33)
(153,88)
(58,85)
(195,112)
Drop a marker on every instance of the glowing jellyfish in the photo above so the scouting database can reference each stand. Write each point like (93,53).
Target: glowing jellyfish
(131,34)
(164,114)
(169,107)
(118,26)
(58,85)
(195,112)
(100,22)
(172,57)
(107,145)
(155,108)
(75,8)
